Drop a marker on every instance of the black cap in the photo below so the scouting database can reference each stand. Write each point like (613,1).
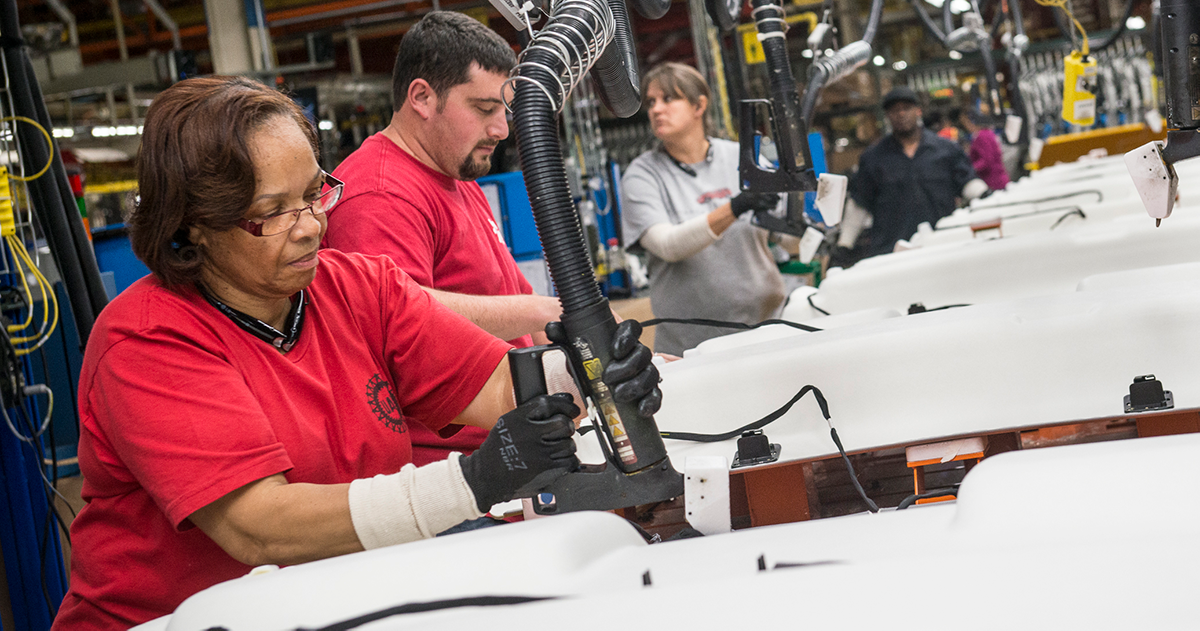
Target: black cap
(900,94)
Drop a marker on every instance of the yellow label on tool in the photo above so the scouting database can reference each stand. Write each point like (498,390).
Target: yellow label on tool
(593,368)
(1079,103)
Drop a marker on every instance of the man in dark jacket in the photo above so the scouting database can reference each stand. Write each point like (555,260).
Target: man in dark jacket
(909,177)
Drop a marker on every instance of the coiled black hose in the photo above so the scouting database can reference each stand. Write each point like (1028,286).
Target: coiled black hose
(830,69)
(1120,29)
(651,9)
(769,17)
(616,72)
(539,91)
(846,60)
(546,181)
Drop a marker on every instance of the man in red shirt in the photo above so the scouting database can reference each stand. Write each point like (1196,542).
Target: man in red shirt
(410,191)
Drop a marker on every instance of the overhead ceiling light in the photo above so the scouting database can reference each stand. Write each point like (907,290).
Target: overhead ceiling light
(63,132)
(325,125)
(954,54)
(806,53)
(900,65)
(1135,23)
(879,60)
(956,6)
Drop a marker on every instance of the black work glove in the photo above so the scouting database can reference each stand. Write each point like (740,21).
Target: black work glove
(747,201)
(629,374)
(532,441)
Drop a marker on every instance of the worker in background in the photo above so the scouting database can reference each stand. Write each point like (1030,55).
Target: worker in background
(682,206)
(251,401)
(937,122)
(911,176)
(986,156)
(411,191)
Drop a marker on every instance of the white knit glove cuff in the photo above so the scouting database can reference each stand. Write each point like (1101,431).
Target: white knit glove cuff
(675,242)
(414,503)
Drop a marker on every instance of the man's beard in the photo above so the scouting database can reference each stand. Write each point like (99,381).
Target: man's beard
(472,169)
(908,134)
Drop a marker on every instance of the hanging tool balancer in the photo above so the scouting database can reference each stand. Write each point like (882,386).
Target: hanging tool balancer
(636,469)
(795,172)
(1152,165)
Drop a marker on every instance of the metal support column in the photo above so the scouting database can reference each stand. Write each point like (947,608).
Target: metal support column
(710,65)
(228,37)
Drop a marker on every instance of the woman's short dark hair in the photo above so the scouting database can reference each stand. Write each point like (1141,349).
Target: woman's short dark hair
(195,170)
(679,80)
(441,48)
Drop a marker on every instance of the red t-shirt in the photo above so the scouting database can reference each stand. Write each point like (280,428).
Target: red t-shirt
(178,407)
(438,229)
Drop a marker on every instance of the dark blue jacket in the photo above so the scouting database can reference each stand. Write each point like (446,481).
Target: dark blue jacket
(901,192)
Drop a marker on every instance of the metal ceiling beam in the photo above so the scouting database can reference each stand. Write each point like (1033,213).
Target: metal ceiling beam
(165,18)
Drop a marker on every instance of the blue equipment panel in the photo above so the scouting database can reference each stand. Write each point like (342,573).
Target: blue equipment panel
(114,254)
(510,204)
(816,147)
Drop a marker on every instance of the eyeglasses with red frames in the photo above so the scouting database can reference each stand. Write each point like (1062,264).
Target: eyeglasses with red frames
(282,221)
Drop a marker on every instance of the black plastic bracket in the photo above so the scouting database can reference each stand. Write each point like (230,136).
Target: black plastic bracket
(754,448)
(1146,394)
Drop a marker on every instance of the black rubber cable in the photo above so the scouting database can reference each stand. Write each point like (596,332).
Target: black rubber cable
(728,325)
(1077,211)
(1119,32)
(1091,191)
(871,505)
(43,545)
(759,424)
(814,306)
(928,22)
(947,18)
(436,605)
(772,417)
(912,499)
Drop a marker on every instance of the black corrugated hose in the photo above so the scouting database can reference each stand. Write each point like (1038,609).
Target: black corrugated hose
(616,72)
(651,9)
(546,181)
(587,319)
(769,17)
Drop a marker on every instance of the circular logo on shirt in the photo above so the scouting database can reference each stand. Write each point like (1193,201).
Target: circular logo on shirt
(383,403)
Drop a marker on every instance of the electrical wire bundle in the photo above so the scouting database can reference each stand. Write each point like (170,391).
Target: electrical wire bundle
(19,339)
(1063,4)
(23,339)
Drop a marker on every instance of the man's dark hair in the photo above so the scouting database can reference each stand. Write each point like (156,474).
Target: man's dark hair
(441,48)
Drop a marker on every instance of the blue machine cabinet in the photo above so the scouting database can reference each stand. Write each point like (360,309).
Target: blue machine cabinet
(513,213)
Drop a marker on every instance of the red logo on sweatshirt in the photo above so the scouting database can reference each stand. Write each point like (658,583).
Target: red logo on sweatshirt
(711,195)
